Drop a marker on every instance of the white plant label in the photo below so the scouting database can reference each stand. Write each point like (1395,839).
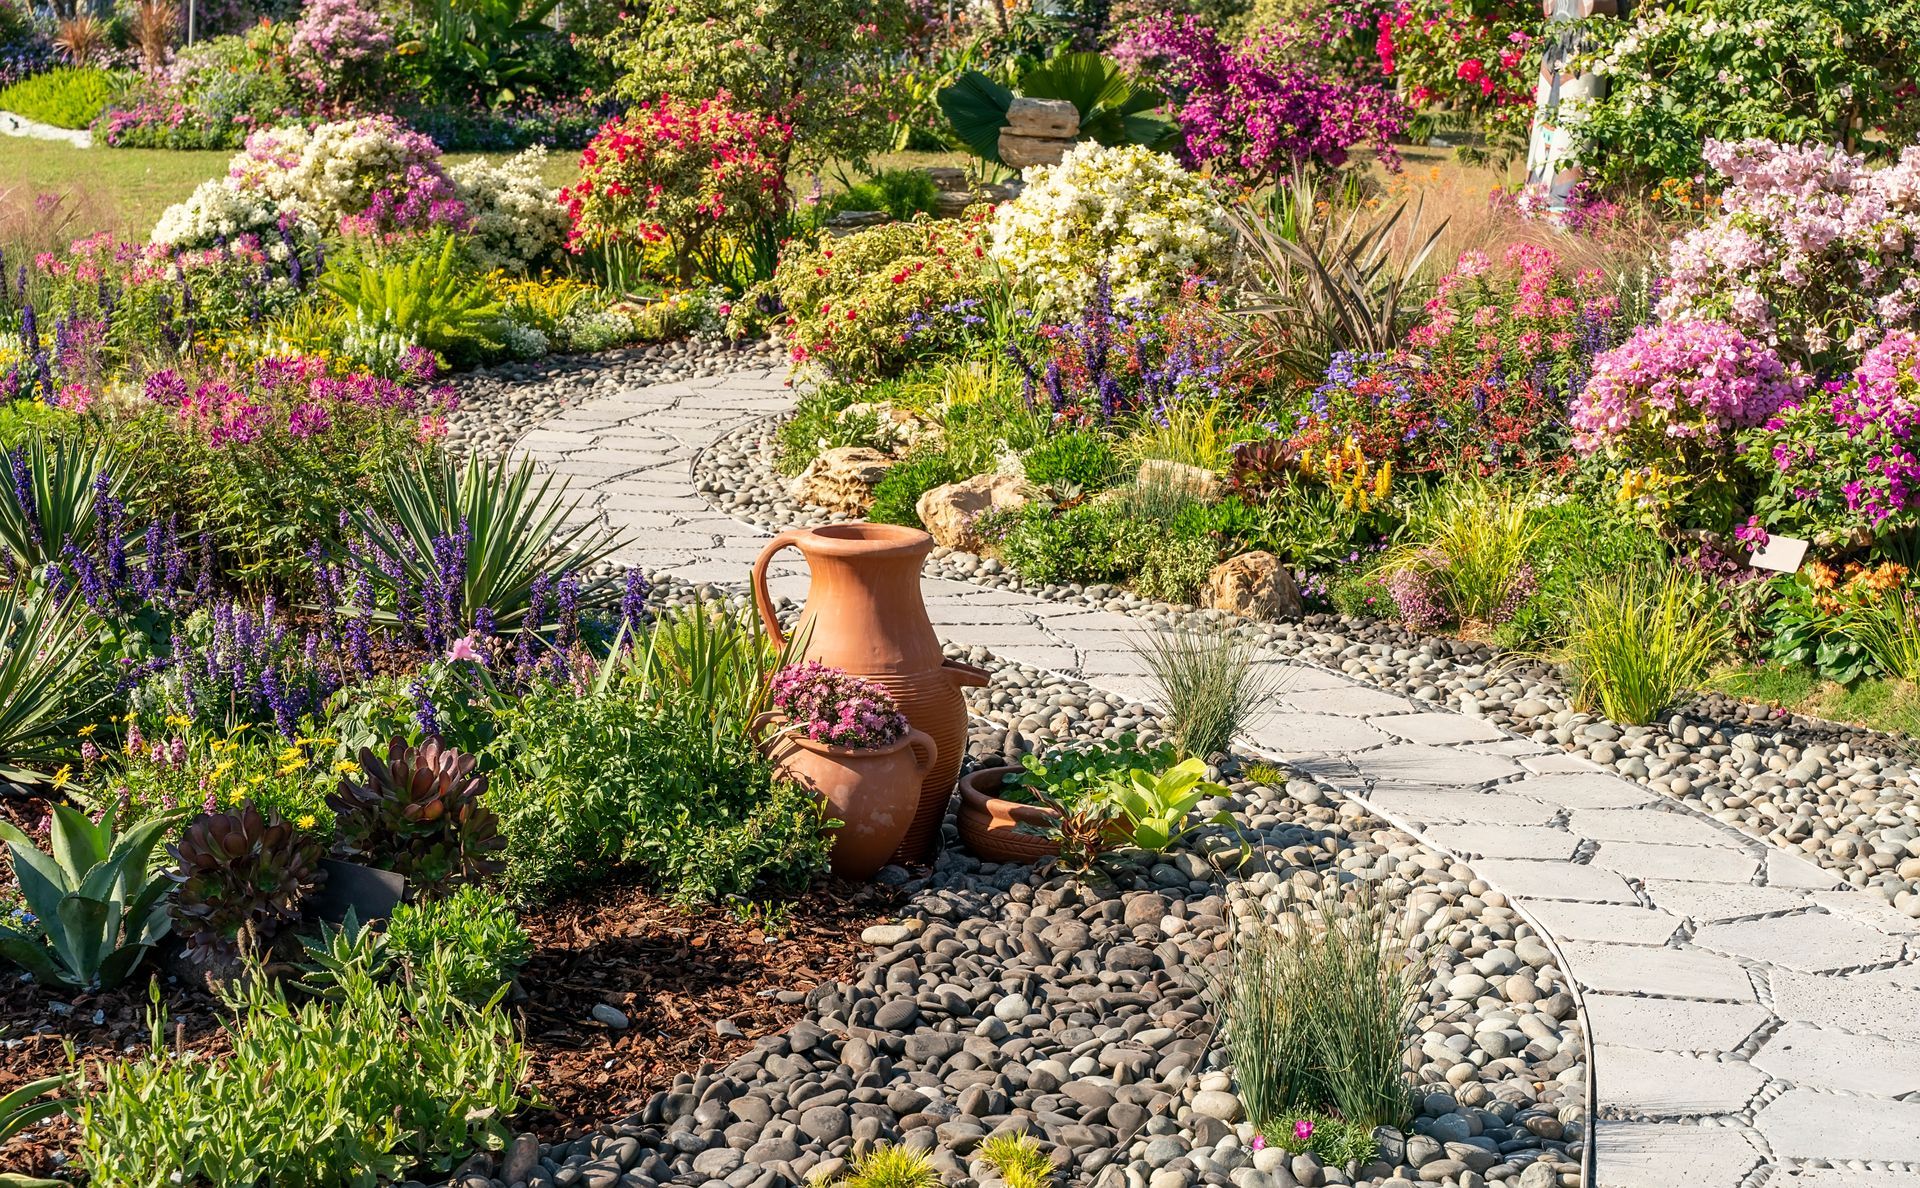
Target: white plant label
(1782,554)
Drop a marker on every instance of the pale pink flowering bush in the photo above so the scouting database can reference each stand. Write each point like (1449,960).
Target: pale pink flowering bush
(1530,316)
(1812,253)
(828,706)
(1671,397)
(340,48)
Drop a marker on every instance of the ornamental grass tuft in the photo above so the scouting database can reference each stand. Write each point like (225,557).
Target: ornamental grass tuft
(1211,684)
(1638,642)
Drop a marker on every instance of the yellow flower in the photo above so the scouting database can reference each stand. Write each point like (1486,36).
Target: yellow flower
(178,722)
(288,769)
(61,777)
(258,780)
(305,821)
(236,796)
(222,768)
(292,755)
(87,730)
(346,767)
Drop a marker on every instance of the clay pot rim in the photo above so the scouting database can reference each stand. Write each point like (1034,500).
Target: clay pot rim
(861,538)
(779,734)
(970,788)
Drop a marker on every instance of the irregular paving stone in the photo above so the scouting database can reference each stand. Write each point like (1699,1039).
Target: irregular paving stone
(1668,1084)
(1505,841)
(1621,923)
(1815,1059)
(1808,943)
(1671,1155)
(1556,880)
(1673,1024)
(1804,1124)
(1690,864)
(1673,973)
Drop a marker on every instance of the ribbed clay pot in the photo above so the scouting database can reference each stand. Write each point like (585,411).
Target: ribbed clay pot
(990,824)
(864,615)
(873,793)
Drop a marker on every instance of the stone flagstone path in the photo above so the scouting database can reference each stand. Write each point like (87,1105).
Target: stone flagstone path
(1754,1023)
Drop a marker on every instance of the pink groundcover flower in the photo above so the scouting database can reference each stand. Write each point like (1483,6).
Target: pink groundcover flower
(829,706)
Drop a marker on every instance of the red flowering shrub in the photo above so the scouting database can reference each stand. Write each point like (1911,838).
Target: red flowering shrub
(679,174)
(1479,60)
(872,303)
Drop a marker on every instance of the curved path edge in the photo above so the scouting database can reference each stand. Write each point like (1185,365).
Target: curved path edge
(1752,1022)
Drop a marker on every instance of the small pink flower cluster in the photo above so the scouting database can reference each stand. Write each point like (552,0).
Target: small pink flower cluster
(338,42)
(1678,382)
(828,706)
(1528,316)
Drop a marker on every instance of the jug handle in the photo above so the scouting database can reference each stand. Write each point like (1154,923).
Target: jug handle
(761,597)
(966,675)
(925,750)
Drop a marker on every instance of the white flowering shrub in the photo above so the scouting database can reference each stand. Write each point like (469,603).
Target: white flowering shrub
(518,222)
(217,212)
(1126,210)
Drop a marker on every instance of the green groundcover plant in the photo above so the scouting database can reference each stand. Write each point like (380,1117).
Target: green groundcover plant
(66,97)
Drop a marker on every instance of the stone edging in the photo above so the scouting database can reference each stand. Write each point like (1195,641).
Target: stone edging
(14,125)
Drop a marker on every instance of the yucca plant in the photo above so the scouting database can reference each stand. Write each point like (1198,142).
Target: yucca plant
(714,663)
(477,536)
(53,498)
(1324,282)
(1639,642)
(98,906)
(50,686)
(1211,685)
(24,1107)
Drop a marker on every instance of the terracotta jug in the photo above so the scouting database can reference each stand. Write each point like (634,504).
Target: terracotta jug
(864,615)
(874,794)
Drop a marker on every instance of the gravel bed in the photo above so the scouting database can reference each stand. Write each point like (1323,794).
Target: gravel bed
(1844,796)
(499,404)
(1079,1011)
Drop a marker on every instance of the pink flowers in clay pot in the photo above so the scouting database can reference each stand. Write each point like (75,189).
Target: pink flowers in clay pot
(844,739)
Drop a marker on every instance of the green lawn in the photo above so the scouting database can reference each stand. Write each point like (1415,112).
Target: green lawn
(1878,703)
(124,190)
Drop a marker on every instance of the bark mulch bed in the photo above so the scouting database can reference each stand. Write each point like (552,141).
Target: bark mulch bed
(697,986)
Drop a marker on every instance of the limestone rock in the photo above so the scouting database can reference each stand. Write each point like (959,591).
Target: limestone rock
(1254,586)
(841,479)
(1197,481)
(951,512)
(1021,152)
(898,429)
(1054,119)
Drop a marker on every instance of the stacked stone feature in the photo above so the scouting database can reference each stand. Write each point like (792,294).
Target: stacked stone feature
(1038,132)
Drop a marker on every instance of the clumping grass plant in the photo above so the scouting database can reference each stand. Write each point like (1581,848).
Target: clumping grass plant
(1018,1160)
(1467,560)
(1638,642)
(893,1166)
(1319,1011)
(1211,684)
(1889,631)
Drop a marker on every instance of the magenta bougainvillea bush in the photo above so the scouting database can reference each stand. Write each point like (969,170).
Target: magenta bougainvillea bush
(1251,110)
(1840,463)
(829,706)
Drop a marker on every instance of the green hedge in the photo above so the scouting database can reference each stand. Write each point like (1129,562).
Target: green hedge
(66,97)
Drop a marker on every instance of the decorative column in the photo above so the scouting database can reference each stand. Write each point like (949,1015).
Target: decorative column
(1553,174)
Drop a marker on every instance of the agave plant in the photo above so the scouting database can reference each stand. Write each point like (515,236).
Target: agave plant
(53,497)
(241,877)
(22,1108)
(479,537)
(1114,109)
(418,813)
(49,685)
(97,905)
(1325,283)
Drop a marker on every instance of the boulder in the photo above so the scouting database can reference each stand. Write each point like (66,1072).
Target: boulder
(950,512)
(1254,586)
(1055,119)
(841,479)
(1021,152)
(1197,481)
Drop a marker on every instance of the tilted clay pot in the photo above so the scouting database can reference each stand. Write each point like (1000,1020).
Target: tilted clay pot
(873,793)
(864,615)
(990,824)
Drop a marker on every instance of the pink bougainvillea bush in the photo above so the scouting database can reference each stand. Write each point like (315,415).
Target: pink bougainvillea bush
(1670,399)
(1813,252)
(684,175)
(831,707)
(1251,111)
(340,48)
(1842,463)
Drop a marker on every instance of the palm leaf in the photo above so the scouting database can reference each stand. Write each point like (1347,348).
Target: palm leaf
(976,106)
